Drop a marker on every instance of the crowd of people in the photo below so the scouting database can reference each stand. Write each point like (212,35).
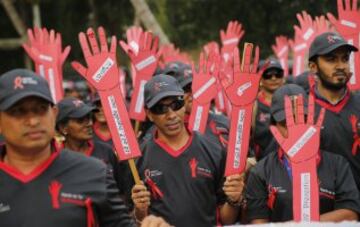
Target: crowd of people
(59,165)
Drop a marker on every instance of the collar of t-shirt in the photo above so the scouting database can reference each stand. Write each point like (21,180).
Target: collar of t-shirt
(88,152)
(334,107)
(262,99)
(170,150)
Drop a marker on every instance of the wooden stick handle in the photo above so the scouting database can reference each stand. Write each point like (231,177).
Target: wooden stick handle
(134,171)
(137,127)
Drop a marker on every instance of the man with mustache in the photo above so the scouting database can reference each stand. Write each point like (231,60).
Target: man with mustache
(183,170)
(41,185)
(329,60)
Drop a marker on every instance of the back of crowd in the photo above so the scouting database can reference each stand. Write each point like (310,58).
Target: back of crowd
(182,171)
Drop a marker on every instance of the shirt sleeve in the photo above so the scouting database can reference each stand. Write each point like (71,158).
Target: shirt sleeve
(256,195)
(346,192)
(113,212)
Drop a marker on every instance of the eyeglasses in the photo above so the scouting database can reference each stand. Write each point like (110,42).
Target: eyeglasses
(164,108)
(270,74)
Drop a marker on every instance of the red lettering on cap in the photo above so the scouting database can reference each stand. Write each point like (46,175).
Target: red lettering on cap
(18,83)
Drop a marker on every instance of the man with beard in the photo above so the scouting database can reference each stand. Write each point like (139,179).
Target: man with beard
(329,60)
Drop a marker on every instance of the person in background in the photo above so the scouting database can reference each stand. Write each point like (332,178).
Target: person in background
(271,80)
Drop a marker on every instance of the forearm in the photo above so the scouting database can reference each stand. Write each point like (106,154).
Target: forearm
(140,214)
(339,215)
(229,214)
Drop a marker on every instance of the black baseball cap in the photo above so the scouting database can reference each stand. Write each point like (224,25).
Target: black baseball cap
(272,64)
(181,71)
(72,108)
(18,84)
(159,87)
(277,109)
(327,42)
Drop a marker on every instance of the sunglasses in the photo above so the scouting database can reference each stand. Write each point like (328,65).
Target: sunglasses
(164,108)
(270,74)
(84,120)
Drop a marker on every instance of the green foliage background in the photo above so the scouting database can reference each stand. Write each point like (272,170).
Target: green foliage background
(188,23)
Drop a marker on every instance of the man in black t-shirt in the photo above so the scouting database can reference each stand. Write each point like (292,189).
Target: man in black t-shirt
(40,185)
(269,184)
(182,170)
(329,61)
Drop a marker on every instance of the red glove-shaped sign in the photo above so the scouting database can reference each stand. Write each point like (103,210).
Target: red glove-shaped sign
(133,35)
(348,25)
(301,147)
(44,49)
(302,40)
(210,49)
(145,63)
(230,39)
(281,50)
(321,25)
(204,89)
(242,94)
(103,74)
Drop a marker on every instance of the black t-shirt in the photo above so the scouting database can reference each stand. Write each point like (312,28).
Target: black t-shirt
(68,189)
(262,135)
(105,153)
(337,134)
(189,180)
(269,181)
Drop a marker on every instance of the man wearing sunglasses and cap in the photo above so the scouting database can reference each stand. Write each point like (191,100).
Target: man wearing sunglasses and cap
(41,185)
(182,170)
(329,60)
(271,79)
